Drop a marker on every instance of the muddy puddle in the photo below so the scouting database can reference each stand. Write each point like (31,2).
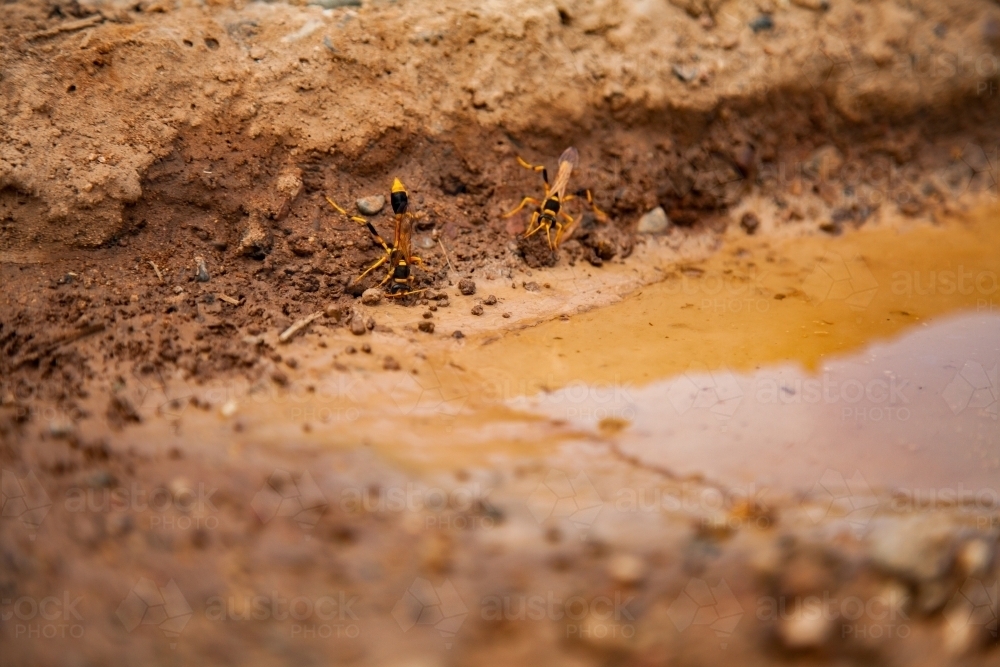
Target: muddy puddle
(771,362)
(872,354)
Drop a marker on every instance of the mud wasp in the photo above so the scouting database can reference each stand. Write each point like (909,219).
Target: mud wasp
(399,255)
(549,213)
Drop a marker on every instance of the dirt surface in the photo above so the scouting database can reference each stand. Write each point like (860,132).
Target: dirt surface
(163,174)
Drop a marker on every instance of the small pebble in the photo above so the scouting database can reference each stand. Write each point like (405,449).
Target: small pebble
(292,363)
(654,222)
(749,222)
(229,408)
(333,312)
(444,303)
(506,314)
(974,557)
(428,315)
(685,73)
(350,349)
(357,326)
(490,300)
(477,309)
(801,629)
(426,327)
(458,334)
(626,569)
(532,286)
(371,205)
(390,364)
(467,286)
(366,348)
(370,323)
(762,22)
(279,378)
(371,296)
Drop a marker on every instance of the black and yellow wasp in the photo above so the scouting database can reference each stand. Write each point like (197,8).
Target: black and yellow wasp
(399,255)
(549,213)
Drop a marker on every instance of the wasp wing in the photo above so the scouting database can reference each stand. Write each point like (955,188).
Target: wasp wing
(567,162)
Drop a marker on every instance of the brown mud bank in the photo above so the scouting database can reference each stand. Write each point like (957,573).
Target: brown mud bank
(414,482)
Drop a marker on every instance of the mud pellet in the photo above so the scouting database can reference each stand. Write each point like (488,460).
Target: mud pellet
(477,309)
(426,327)
(350,349)
(390,364)
(467,286)
(428,315)
(490,300)
(357,326)
(506,314)
(366,348)
(749,222)
(458,334)
(201,275)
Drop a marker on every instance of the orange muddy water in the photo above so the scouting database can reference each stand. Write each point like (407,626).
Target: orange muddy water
(874,353)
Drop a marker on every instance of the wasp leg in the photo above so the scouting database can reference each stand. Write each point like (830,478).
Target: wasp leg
(598,213)
(548,235)
(536,167)
(565,231)
(388,276)
(402,294)
(371,268)
(524,202)
(355,218)
(533,226)
(334,205)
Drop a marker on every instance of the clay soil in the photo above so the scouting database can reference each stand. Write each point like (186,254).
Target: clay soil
(139,140)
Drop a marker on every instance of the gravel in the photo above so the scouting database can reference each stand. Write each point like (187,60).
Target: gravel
(467,286)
